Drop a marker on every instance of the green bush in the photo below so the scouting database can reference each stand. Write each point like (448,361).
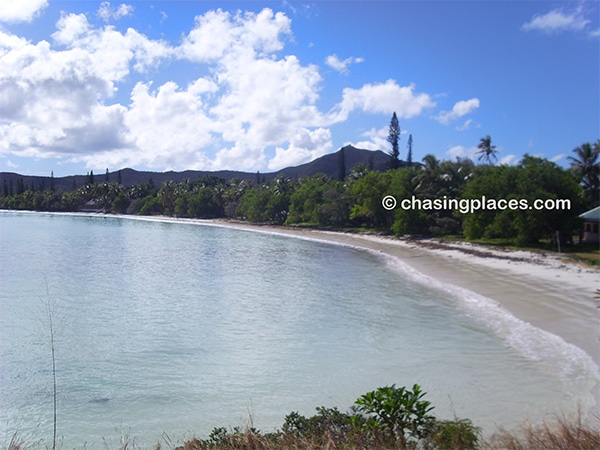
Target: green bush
(458,434)
(401,415)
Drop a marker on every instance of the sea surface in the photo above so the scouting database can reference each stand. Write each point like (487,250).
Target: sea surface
(164,331)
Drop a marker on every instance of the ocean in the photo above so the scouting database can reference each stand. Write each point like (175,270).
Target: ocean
(165,330)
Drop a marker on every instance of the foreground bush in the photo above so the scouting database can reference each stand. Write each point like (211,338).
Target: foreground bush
(387,418)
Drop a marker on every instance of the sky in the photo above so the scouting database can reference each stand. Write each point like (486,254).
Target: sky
(259,85)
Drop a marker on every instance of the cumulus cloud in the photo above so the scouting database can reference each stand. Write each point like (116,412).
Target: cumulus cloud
(218,33)
(49,100)
(383,98)
(107,12)
(110,51)
(61,98)
(53,102)
(377,139)
(304,146)
(21,10)
(557,20)
(339,65)
(460,109)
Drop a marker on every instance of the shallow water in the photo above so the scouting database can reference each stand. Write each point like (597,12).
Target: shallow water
(173,329)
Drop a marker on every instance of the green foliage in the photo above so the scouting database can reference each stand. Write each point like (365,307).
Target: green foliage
(458,434)
(587,168)
(327,423)
(306,200)
(149,206)
(393,138)
(367,193)
(387,418)
(400,413)
(533,179)
(355,202)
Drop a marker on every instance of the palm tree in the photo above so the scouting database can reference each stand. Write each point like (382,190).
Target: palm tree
(487,151)
(586,165)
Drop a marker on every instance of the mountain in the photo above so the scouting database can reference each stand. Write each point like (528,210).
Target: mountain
(327,164)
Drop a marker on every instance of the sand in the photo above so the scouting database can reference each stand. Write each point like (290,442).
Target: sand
(537,288)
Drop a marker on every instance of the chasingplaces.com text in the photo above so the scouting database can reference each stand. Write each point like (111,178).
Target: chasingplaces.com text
(470,205)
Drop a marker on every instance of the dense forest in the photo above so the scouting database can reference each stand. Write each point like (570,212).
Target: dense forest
(355,200)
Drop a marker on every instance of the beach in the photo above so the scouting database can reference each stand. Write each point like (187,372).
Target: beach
(513,335)
(537,288)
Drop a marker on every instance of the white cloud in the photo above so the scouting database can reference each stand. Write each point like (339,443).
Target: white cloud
(57,99)
(109,50)
(218,33)
(304,146)
(465,126)
(383,98)
(460,151)
(377,139)
(49,98)
(21,10)
(107,12)
(166,127)
(558,157)
(556,21)
(460,109)
(339,65)
(509,160)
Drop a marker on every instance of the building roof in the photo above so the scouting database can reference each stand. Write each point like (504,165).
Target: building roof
(593,215)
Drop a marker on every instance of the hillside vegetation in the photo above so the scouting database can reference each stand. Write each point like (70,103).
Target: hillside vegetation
(490,202)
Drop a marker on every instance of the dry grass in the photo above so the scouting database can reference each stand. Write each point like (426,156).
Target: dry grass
(558,434)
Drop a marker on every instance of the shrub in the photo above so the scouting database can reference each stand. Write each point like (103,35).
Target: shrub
(458,434)
(399,413)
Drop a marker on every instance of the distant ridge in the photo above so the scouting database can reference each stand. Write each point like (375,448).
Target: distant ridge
(328,164)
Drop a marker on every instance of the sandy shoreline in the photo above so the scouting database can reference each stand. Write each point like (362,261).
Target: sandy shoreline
(538,289)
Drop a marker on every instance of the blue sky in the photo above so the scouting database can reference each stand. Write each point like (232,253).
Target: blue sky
(163,85)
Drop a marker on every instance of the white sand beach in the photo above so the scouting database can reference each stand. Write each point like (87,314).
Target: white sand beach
(537,288)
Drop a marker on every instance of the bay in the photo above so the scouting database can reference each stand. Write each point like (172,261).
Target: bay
(166,330)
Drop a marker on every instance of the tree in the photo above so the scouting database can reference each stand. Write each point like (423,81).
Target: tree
(398,412)
(487,151)
(393,138)
(533,179)
(409,156)
(587,167)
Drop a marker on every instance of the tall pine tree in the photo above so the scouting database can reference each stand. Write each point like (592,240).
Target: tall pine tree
(393,138)
(409,156)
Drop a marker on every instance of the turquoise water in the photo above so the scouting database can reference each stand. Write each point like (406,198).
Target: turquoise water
(166,330)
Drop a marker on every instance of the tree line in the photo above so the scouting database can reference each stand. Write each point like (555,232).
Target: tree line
(355,201)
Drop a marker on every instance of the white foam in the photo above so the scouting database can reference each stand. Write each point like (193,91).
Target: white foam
(550,352)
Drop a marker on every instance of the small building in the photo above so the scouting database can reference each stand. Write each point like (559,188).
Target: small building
(591,221)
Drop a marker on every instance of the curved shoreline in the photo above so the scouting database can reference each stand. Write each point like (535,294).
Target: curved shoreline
(538,290)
